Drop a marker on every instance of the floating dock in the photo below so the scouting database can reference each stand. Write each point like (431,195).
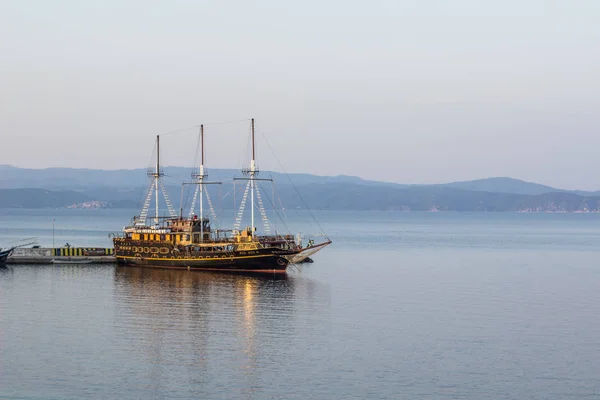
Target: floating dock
(62,255)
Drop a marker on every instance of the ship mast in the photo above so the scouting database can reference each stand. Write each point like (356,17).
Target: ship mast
(253,172)
(157,176)
(201,178)
(251,176)
(156,186)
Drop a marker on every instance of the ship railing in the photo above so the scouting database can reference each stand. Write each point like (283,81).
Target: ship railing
(146,229)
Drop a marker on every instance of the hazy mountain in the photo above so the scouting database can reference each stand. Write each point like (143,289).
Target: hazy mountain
(38,198)
(76,178)
(431,198)
(510,185)
(62,187)
(336,196)
(503,185)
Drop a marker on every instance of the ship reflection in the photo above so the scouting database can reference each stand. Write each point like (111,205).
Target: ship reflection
(199,315)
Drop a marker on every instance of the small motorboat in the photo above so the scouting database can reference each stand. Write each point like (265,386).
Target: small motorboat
(71,260)
(4,254)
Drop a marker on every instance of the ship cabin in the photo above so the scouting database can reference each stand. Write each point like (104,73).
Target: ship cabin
(177,231)
(197,231)
(286,242)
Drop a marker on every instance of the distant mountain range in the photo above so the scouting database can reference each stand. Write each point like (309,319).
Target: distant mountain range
(77,178)
(65,187)
(510,185)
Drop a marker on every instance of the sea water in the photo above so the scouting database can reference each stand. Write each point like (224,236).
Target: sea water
(401,305)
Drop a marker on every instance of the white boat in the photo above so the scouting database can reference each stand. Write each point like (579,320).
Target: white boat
(71,260)
(4,254)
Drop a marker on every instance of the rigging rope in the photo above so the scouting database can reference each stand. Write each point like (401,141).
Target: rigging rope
(238,219)
(170,208)
(276,213)
(198,126)
(144,213)
(263,213)
(210,207)
(292,183)
(194,201)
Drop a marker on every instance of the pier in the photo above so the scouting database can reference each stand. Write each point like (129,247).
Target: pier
(63,255)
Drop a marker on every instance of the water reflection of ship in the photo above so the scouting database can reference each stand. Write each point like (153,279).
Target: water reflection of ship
(139,278)
(206,311)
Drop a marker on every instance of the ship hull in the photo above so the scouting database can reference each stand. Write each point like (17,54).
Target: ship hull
(265,264)
(268,260)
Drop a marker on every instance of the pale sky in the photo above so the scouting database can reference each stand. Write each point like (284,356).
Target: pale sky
(404,91)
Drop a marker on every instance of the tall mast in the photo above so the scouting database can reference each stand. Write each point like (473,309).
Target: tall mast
(156,176)
(253,154)
(252,172)
(201,177)
(202,148)
(156,186)
(252,176)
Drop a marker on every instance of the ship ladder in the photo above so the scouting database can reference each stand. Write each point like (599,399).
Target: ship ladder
(263,213)
(144,213)
(210,207)
(238,218)
(194,201)
(172,212)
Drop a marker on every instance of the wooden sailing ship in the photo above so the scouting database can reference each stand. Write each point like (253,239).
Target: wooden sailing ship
(192,243)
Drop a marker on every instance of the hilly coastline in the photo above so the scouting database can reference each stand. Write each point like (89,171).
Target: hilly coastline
(82,188)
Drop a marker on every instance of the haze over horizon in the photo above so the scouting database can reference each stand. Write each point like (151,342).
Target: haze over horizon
(406,92)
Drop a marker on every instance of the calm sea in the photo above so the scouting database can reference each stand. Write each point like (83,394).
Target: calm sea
(402,305)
